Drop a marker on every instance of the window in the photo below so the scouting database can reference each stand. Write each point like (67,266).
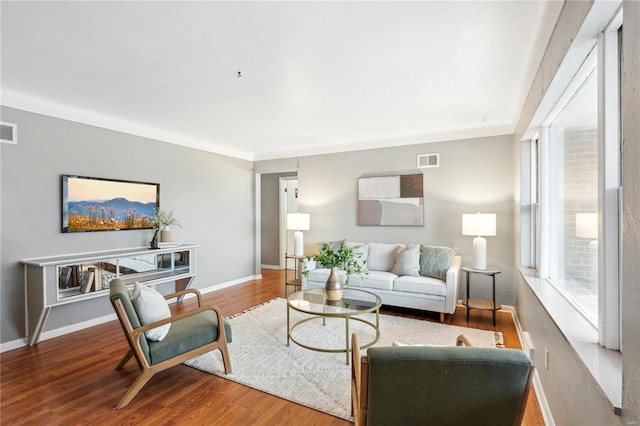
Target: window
(574,191)
(573,199)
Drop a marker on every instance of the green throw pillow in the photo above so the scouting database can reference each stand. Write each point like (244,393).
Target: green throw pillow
(435,261)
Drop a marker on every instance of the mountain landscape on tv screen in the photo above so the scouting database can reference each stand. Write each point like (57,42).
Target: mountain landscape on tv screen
(117,213)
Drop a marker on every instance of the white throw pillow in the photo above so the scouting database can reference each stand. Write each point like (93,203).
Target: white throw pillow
(151,306)
(407,261)
(382,256)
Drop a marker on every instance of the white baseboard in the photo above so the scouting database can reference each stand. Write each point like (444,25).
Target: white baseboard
(537,385)
(270,266)
(46,335)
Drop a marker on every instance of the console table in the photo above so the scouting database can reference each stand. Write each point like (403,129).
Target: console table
(59,280)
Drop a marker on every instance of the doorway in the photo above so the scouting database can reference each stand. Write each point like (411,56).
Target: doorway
(288,204)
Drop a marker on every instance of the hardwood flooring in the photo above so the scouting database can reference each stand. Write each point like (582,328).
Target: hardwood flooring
(71,380)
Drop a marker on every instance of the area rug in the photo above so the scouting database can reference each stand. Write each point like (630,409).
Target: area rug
(261,359)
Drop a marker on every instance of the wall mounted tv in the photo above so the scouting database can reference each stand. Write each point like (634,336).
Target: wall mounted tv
(98,204)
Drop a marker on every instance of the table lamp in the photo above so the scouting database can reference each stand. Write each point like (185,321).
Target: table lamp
(587,227)
(298,222)
(480,225)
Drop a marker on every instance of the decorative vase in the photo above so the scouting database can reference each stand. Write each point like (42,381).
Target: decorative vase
(166,235)
(334,287)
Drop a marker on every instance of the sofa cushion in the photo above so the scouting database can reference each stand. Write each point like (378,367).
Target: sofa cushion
(421,285)
(375,280)
(322,274)
(382,256)
(407,260)
(435,261)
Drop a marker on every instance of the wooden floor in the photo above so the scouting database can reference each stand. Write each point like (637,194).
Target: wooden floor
(70,380)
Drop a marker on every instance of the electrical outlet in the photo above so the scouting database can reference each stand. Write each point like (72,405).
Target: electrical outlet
(546,358)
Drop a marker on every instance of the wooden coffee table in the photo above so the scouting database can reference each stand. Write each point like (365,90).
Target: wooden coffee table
(314,302)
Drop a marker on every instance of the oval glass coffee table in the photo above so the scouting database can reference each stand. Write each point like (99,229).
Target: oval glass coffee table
(314,302)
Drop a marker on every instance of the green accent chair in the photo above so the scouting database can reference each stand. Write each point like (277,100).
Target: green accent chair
(192,333)
(445,385)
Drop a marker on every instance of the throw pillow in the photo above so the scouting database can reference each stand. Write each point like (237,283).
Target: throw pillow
(382,256)
(407,261)
(352,244)
(435,261)
(335,245)
(151,306)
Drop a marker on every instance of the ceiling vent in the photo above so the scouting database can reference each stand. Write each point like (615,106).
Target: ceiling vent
(426,161)
(8,133)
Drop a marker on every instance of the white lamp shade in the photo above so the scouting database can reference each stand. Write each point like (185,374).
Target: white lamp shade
(479,224)
(587,225)
(298,221)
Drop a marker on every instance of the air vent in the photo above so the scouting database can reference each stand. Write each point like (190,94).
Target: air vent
(8,133)
(428,160)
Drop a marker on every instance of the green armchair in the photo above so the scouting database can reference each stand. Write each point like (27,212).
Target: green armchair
(430,385)
(192,333)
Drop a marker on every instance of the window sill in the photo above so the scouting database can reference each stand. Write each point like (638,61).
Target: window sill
(605,365)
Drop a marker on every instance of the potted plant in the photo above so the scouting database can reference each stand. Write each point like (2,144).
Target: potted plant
(162,222)
(344,258)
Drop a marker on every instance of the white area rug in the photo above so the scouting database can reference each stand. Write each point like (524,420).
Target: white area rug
(260,358)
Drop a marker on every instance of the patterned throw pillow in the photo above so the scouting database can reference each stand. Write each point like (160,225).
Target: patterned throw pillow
(407,261)
(435,261)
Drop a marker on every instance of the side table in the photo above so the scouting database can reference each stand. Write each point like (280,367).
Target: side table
(487,305)
(296,281)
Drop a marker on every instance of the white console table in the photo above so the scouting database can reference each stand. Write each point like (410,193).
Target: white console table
(60,280)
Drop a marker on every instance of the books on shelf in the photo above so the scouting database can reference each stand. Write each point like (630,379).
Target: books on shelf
(168,244)
(64,280)
(87,282)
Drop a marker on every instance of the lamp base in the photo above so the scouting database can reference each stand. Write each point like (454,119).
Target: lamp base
(479,253)
(298,244)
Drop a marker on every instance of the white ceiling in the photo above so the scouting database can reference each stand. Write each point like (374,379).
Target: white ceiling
(316,76)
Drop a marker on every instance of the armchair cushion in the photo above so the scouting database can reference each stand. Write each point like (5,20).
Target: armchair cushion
(187,334)
(119,292)
(445,385)
(151,306)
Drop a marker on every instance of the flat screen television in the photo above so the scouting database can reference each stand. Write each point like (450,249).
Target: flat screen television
(99,204)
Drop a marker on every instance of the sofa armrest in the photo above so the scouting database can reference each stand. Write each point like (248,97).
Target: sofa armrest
(309,264)
(453,285)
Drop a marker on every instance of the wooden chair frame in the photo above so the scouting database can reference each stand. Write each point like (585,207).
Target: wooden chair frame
(148,370)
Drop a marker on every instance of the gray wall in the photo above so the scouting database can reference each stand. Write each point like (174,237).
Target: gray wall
(213,197)
(474,175)
(630,289)
(270,217)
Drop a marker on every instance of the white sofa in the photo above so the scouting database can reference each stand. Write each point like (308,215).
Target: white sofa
(393,276)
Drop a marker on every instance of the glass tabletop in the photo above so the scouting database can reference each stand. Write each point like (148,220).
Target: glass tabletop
(314,301)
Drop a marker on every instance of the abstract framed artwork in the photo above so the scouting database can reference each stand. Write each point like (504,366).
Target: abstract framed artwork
(391,200)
